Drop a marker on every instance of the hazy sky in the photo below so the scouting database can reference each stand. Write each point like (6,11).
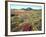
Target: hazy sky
(14,6)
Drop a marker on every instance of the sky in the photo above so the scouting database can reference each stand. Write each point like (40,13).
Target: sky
(14,6)
(34,1)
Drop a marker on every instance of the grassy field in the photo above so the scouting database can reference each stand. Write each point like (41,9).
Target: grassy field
(26,20)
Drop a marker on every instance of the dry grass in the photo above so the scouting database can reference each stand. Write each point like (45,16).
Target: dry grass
(34,17)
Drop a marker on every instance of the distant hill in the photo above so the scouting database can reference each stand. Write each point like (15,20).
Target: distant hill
(22,11)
